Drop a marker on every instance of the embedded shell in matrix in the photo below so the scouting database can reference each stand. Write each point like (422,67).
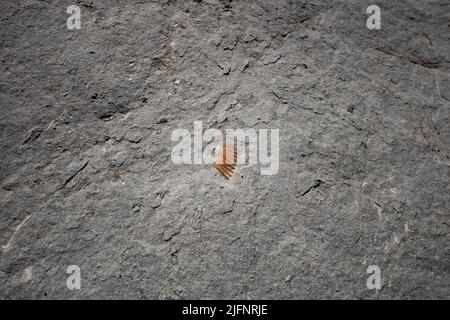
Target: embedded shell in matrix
(320,170)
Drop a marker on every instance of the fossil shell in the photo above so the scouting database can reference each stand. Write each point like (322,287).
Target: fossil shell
(225,162)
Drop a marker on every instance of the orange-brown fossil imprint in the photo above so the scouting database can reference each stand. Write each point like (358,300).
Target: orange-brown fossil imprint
(225,162)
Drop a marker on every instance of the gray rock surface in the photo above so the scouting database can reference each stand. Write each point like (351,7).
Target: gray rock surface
(86,177)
